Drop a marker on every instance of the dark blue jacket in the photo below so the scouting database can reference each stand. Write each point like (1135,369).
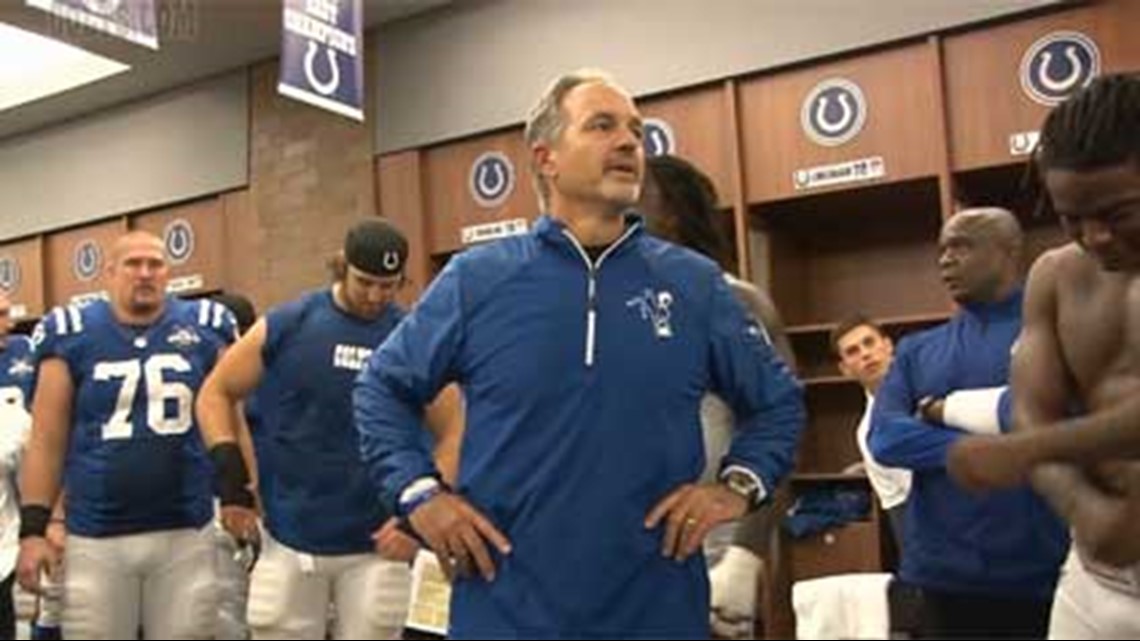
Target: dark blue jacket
(1004,543)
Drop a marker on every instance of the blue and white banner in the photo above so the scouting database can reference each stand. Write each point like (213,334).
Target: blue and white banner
(322,55)
(132,20)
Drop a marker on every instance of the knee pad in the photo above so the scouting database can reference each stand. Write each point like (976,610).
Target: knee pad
(271,587)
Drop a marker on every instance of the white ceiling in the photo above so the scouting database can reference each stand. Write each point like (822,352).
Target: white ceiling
(199,38)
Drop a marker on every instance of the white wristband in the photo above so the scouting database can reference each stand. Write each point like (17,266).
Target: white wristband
(974,410)
(417,487)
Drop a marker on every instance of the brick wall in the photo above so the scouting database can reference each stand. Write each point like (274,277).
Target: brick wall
(311,177)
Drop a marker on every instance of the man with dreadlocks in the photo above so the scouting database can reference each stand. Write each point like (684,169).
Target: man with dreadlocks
(1076,372)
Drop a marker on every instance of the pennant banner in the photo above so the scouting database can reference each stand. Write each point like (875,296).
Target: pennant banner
(131,20)
(322,57)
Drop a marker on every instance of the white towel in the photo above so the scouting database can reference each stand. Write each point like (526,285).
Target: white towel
(845,606)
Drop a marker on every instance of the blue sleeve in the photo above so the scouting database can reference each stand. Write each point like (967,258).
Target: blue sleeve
(48,337)
(898,439)
(766,399)
(402,376)
(215,321)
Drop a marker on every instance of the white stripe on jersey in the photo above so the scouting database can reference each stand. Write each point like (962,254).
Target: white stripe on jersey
(219,315)
(204,312)
(76,318)
(60,321)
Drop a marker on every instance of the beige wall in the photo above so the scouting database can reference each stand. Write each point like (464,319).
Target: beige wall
(179,145)
(479,64)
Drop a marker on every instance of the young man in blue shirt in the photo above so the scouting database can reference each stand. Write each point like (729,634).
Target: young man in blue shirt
(331,541)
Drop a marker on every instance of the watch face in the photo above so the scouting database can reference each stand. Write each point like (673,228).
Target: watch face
(742,484)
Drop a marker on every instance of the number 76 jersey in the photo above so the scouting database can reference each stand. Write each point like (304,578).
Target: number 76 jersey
(135,460)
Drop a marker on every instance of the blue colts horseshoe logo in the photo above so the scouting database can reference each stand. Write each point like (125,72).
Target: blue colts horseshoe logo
(323,87)
(9,274)
(87,260)
(178,237)
(657,137)
(492,179)
(833,112)
(1058,65)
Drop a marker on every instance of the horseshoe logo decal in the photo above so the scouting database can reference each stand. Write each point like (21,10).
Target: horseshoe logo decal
(86,260)
(833,128)
(9,274)
(492,179)
(658,137)
(833,112)
(1057,65)
(178,237)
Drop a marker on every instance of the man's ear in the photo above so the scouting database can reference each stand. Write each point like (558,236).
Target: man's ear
(544,161)
(339,266)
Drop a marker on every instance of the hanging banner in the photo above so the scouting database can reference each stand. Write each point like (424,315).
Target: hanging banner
(131,20)
(322,56)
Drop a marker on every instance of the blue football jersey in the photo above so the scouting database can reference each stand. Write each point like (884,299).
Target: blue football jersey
(317,496)
(135,460)
(17,371)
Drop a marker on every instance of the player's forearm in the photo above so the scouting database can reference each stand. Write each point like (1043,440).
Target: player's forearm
(245,443)
(217,414)
(218,420)
(40,475)
(1109,433)
(1061,485)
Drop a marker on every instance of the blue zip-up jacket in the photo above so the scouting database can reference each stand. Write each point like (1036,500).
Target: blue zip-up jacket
(1004,543)
(583,387)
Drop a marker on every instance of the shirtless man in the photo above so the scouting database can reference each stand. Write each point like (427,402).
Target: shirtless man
(1080,350)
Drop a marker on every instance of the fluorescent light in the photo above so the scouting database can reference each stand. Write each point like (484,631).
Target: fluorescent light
(34,66)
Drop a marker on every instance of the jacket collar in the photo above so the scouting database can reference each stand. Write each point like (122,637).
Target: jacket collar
(554,231)
(1004,308)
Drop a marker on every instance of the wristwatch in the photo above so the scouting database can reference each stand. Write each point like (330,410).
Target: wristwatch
(745,485)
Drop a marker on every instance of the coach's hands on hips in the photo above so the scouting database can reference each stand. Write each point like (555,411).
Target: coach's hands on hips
(690,512)
(458,534)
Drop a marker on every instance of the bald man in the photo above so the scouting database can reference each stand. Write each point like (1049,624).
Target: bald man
(114,424)
(977,566)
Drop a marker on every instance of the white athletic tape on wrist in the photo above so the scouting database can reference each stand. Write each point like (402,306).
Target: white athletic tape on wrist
(974,410)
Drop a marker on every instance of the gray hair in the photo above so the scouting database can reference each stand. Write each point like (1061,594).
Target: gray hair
(544,124)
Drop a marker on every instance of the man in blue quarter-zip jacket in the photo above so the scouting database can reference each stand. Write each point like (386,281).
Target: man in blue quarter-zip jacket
(981,566)
(583,349)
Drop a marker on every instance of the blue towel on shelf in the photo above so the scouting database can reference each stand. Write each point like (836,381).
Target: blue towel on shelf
(823,508)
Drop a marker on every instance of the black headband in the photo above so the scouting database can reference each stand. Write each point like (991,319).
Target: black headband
(376,247)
